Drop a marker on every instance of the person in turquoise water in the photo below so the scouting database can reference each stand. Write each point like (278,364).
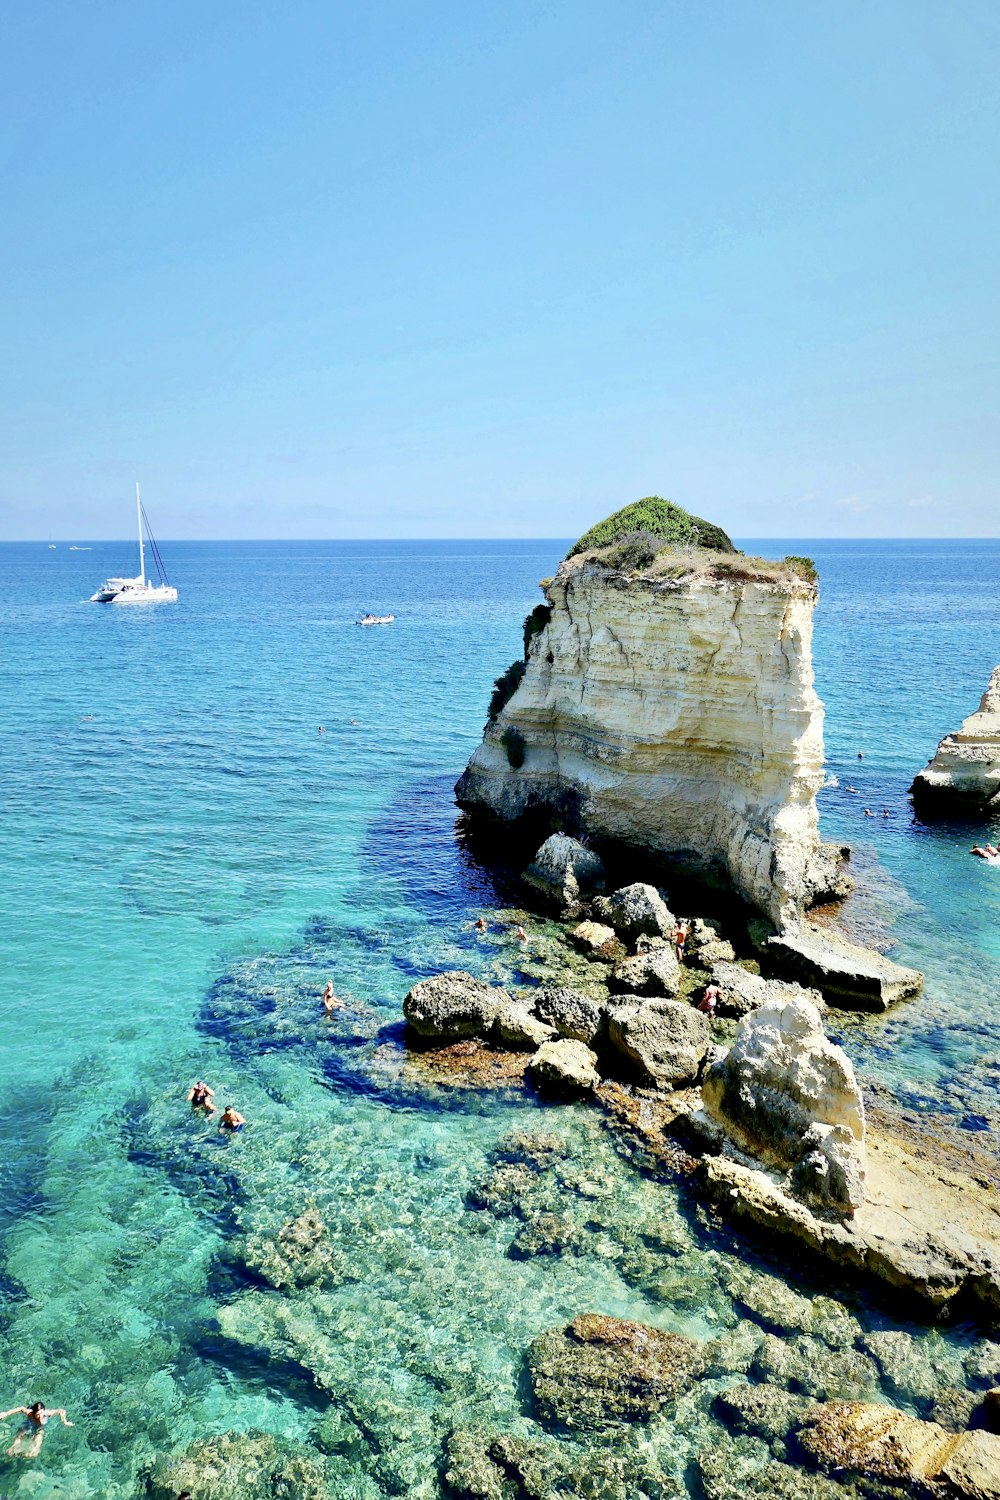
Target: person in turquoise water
(231,1120)
(202,1097)
(29,1436)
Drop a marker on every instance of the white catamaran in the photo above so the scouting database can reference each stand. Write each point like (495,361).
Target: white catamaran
(139,590)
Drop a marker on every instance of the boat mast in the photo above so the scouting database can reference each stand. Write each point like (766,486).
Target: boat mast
(142,555)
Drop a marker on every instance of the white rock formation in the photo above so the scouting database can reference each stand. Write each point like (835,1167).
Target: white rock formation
(786,1095)
(965,771)
(675,713)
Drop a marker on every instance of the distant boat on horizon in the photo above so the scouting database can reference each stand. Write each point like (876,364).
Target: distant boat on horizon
(79,549)
(137,590)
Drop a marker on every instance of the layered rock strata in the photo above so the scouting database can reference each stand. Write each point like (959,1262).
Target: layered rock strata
(964,775)
(672,710)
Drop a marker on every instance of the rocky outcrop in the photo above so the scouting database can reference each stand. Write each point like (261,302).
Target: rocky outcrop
(672,709)
(655,972)
(563,871)
(740,991)
(850,977)
(787,1096)
(664,1041)
(598,942)
(564,1067)
(881,1443)
(569,1013)
(600,1371)
(453,1005)
(247,1465)
(635,911)
(964,776)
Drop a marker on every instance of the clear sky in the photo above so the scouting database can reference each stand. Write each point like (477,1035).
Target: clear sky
(309,268)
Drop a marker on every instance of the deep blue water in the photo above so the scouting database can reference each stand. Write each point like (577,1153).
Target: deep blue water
(185,859)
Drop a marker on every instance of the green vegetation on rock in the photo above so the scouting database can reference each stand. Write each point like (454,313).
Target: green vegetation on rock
(659,518)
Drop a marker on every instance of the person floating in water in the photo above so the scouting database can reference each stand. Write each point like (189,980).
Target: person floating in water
(29,1436)
(522,936)
(869,813)
(321,730)
(231,1120)
(331,1002)
(201,1097)
(480,924)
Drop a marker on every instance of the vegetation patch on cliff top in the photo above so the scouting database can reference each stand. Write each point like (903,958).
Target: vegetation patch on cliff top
(642,555)
(655,517)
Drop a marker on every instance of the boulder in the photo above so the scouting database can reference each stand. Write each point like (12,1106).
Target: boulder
(563,871)
(882,1443)
(964,775)
(598,941)
(850,977)
(565,1066)
(742,1468)
(655,972)
(599,1371)
(788,1096)
(706,945)
(665,1041)
(301,1253)
(764,1411)
(635,909)
(518,1028)
(740,992)
(500,1466)
(570,1013)
(452,1005)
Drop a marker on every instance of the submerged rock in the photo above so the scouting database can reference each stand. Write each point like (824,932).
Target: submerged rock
(239,1466)
(964,775)
(300,1254)
(742,1469)
(600,1371)
(788,1096)
(764,1411)
(451,1006)
(849,976)
(563,870)
(565,1066)
(664,1041)
(499,1466)
(655,973)
(634,911)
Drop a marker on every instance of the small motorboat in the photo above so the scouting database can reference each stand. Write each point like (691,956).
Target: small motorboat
(376,619)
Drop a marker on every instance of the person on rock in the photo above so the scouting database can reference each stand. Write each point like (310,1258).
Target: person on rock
(709,999)
(30,1435)
(682,931)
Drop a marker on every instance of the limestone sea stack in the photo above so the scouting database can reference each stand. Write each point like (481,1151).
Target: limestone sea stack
(666,702)
(964,776)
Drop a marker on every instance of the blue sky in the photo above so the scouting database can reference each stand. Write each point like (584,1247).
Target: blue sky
(468,269)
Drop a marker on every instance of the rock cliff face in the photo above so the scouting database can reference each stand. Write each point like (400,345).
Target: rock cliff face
(672,709)
(965,772)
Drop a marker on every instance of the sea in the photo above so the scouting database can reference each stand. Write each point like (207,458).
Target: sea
(208,810)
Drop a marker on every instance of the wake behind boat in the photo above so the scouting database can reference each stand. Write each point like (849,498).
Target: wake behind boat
(376,619)
(139,590)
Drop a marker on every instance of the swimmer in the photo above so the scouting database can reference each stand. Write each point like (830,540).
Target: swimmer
(480,924)
(983,853)
(231,1120)
(992,850)
(869,813)
(885,812)
(853,791)
(331,1002)
(682,931)
(28,1438)
(861,755)
(521,936)
(354,721)
(321,730)
(709,999)
(201,1097)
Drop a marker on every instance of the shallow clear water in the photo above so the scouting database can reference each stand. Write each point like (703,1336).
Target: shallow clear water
(186,860)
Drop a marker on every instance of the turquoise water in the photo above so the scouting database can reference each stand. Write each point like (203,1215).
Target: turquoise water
(186,860)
